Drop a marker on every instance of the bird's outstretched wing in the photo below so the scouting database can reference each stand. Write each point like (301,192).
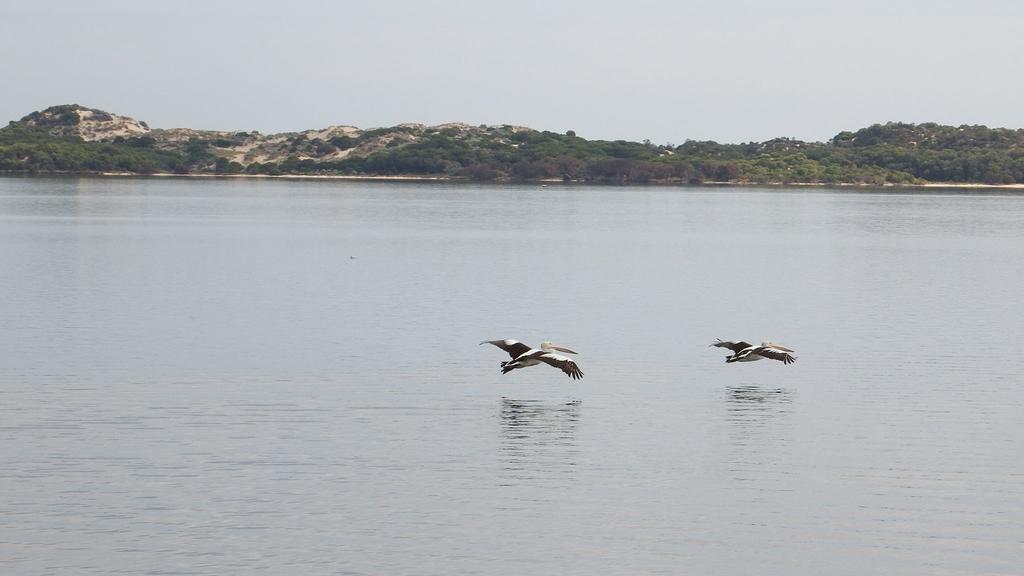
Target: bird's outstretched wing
(736,347)
(515,348)
(562,363)
(775,354)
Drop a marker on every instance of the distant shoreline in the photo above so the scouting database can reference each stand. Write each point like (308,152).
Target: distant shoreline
(71,139)
(416,178)
(439,179)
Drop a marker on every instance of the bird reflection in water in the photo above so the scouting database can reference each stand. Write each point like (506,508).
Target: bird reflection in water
(751,396)
(755,405)
(758,432)
(538,438)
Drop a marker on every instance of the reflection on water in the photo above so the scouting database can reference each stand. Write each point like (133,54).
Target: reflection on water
(538,438)
(750,405)
(757,421)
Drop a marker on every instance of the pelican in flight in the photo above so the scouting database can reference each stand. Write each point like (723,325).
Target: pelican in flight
(523,356)
(746,352)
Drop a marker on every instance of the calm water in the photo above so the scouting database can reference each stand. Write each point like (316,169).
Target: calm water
(197,377)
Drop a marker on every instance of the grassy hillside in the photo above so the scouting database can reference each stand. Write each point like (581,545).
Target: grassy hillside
(45,142)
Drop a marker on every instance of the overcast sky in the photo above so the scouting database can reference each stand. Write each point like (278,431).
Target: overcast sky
(726,70)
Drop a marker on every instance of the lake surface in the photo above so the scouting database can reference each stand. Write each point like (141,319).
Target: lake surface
(278,377)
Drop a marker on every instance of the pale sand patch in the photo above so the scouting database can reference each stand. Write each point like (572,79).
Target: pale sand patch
(331,132)
(965,185)
(279,176)
(91,130)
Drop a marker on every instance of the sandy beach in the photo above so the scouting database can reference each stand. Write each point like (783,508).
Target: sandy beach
(409,178)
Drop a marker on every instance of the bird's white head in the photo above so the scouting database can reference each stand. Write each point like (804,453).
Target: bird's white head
(549,346)
(770,344)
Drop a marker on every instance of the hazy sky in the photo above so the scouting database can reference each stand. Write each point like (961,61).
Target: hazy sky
(726,70)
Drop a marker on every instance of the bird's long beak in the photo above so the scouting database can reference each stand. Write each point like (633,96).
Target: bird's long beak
(561,348)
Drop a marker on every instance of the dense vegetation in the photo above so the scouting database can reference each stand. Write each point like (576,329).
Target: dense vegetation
(890,153)
(880,154)
(32,149)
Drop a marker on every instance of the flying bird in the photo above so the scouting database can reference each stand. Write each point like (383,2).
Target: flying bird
(746,352)
(523,355)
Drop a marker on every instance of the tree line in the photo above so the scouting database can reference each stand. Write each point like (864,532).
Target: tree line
(893,153)
(879,154)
